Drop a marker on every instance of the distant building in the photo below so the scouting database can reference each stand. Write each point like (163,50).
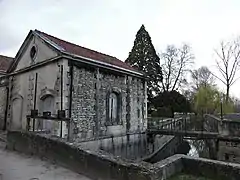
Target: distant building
(101,94)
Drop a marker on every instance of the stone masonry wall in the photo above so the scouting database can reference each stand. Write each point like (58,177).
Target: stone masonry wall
(137,103)
(229,151)
(89,102)
(109,83)
(3,96)
(83,101)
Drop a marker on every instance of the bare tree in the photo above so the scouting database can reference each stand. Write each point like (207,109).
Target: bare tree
(175,65)
(228,58)
(202,77)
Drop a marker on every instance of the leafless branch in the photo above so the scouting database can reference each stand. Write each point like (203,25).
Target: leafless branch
(228,63)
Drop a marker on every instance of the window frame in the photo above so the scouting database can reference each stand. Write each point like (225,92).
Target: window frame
(118,121)
(34,47)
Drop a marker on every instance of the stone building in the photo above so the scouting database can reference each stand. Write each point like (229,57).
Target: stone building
(101,94)
(5,63)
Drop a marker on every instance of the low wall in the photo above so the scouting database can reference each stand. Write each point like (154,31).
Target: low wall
(211,168)
(132,146)
(101,166)
(104,166)
(168,148)
(229,151)
(136,146)
(211,123)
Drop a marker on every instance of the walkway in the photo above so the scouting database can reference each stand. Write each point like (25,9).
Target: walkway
(22,167)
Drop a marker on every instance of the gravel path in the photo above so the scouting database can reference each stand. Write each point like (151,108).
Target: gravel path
(15,166)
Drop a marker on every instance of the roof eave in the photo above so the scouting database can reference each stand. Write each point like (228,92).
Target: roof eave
(89,60)
(101,64)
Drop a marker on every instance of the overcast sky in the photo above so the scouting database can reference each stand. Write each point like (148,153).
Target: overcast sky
(110,26)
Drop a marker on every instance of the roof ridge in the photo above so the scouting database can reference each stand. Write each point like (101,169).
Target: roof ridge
(78,50)
(76,44)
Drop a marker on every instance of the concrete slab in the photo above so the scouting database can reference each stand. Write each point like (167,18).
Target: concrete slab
(22,167)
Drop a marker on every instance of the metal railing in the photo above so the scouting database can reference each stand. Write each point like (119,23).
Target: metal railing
(36,123)
(165,123)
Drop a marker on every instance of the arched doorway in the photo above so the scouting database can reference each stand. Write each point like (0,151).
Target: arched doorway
(16,118)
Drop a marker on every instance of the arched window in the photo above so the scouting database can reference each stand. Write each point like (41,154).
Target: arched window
(113,108)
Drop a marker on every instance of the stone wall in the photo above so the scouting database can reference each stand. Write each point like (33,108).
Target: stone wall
(137,147)
(3,101)
(226,127)
(210,168)
(167,147)
(83,101)
(211,123)
(229,151)
(226,151)
(91,87)
(230,127)
(22,84)
(21,95)
(102,165)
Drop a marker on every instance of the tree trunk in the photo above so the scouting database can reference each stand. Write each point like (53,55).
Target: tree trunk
(227,94)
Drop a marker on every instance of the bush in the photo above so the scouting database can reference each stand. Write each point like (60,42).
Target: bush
(162,112)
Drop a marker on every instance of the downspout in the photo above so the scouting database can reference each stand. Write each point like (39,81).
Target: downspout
(71,89)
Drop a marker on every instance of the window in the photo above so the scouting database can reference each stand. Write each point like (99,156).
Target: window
(138,112)
(33,52)
(113,108)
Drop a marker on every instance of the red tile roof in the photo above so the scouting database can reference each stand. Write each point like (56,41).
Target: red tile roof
(87,53)
(5,63)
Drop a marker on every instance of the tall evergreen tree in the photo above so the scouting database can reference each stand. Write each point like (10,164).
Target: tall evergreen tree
(144,57)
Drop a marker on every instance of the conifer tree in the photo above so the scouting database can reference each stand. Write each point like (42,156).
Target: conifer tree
(144,57)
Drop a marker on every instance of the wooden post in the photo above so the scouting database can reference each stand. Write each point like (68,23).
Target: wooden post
(61,98)
(35,99)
